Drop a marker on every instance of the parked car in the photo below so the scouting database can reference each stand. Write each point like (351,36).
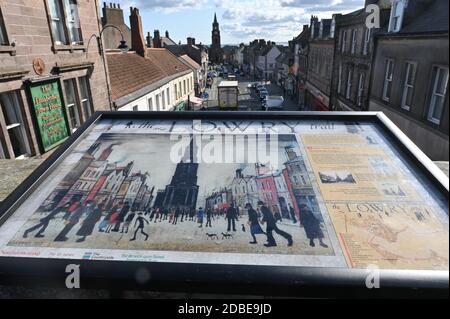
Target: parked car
(260,87)
(273,103)
(263,94)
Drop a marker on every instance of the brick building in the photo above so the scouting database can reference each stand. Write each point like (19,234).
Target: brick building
(411,72)
(51,80)
(353,58)
(320,66)
(113,15)
(148,79)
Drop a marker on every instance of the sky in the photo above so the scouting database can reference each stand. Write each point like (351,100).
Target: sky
(157,162)
(240,20)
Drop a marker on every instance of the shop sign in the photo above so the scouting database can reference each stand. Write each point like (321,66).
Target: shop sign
(49,113)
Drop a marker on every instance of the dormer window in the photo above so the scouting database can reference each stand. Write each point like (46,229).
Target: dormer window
(333,27)
(397,11)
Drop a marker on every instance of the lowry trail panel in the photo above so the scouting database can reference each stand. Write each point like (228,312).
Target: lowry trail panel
(292,193)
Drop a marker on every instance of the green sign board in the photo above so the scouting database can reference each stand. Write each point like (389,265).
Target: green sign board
(50,114)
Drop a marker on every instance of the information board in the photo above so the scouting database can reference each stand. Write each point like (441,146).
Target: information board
(304,193)
(49,113)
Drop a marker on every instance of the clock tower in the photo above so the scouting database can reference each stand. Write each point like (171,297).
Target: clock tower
(215,54)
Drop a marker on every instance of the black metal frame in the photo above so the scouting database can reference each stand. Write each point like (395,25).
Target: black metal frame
(223,279)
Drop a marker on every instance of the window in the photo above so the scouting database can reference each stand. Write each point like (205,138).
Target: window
(344,41)
(176,92)
(360,90)
(163,103)
(158,105)
(388,78)
(408,89)
(11,109)
(348,92)
(438,92)
(73,110)
(367,36)
(150,104)
(85,96)
(168,96)
(354,40)
(395,23)
(3,36)
(64,21)
(339,88)
(184,87)
(135,108)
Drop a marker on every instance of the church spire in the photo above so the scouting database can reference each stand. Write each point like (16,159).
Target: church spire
(215,18)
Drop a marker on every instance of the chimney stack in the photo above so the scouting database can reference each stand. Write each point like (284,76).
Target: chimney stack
(167,34)
(149,40)
(157,43)
(137,35)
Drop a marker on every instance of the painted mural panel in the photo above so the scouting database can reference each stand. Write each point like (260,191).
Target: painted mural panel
(290,193)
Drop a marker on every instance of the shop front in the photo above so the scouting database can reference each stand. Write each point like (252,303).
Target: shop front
(315,99)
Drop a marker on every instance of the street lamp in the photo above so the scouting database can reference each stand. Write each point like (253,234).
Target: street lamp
(122,46)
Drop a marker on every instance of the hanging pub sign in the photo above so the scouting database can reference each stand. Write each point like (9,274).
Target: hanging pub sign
(243,200)
(48,109)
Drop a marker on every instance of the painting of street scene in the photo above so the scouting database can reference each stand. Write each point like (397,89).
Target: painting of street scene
(126,193)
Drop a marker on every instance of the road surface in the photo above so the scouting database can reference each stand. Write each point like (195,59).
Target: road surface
(248,100)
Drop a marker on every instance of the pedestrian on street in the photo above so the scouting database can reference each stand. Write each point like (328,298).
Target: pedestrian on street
(208,218)
(112,221)
(129,219)
(74,219)
(140,223)
(176,215)
(43,223)
(88,225)
(123,213)
(311,226)
(231,216)
(292,212)
(255,227)
(152,214)
(277,215)
(271,223)
(200,216)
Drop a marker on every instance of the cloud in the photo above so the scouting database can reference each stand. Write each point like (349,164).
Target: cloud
(167,6)
(245,20)
(277,20)
(315,6)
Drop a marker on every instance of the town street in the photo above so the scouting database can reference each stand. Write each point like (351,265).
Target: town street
(248,100)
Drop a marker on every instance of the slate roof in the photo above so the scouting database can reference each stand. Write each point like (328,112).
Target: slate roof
(166,60)
(190,62)
(131,72)
(433,19)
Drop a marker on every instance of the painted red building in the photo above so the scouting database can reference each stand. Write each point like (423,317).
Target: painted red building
(291,191)
(267,190)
